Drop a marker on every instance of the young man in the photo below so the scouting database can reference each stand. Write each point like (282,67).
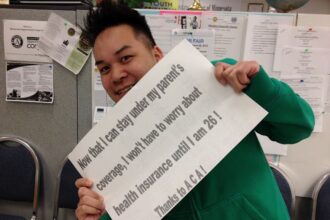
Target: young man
(241,186)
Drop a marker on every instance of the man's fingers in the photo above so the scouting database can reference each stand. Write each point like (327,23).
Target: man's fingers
(87,213)
(84,191)
(88,209)
(231,74)
(219,69)
(243,78)
(83,182)
(96,202)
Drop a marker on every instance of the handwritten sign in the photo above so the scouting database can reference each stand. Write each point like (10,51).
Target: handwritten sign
(164,136)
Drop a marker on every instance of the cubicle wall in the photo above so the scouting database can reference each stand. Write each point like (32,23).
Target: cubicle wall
(53,129)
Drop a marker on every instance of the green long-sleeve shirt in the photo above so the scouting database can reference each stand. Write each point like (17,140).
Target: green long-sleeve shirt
(242,186)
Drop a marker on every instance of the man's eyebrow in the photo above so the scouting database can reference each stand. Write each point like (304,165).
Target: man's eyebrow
(122,49)
(116,53)
(98,62)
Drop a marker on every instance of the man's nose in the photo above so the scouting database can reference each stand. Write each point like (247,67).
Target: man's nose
(118,74)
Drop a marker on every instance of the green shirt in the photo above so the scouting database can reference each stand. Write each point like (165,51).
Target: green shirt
(242,186)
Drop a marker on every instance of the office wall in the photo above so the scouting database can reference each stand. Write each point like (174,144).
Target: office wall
(52,129)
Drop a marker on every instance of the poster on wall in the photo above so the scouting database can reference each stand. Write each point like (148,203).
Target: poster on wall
(29,82)
(214,5)
(162,4)
(61,41)
(21,40)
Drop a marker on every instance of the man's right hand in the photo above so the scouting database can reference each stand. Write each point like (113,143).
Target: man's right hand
(91,204)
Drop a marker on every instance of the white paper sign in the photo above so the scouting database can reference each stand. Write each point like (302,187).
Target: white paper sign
(172,128)
(21,40)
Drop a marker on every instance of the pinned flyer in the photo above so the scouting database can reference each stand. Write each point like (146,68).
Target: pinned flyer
(160,140)
(61,41)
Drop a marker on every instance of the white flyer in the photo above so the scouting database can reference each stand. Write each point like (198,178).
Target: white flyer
(29,82)
(61,41)
(300,36)
(161,27)
(214,5)
(229,33)
(261,34)
(202,39)
(21,39)
(175,125)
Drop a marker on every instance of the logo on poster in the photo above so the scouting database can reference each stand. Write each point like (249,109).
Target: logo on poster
(17,41)
(32,42)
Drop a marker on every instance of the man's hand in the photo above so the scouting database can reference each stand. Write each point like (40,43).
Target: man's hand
(237,76)
(91,204)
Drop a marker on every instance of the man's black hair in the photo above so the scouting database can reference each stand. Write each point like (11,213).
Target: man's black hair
(110,14)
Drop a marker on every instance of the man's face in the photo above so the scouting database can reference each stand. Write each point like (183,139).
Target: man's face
(123,58)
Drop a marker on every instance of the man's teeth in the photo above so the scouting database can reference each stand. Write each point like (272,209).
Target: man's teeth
(126,89)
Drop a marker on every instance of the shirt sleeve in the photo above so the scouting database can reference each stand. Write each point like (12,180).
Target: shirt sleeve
(290,118)
(105,216)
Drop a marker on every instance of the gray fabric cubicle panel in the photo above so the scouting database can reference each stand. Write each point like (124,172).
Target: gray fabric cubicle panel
(84,90)
(51,128)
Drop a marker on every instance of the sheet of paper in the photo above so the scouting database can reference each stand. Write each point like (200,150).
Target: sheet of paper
(185,19)
(306,70)
(21,40)
(161,27)
(312,89)
(304,61)
(99,113)
(61,41)
(202,39)
(27,82)
(300,36)
(261,34)
(229,33)
(215,5)
(152,143)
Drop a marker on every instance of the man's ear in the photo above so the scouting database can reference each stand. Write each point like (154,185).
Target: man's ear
(158,53)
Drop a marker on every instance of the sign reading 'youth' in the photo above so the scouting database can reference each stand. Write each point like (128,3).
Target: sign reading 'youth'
(164,137)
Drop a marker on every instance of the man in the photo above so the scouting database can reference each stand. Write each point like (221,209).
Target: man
(194,23)
(241,186)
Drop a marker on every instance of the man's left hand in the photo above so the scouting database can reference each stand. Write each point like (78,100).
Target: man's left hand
(238,76)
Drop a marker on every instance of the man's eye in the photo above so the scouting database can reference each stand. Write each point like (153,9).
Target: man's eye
(125,59)
(104,70)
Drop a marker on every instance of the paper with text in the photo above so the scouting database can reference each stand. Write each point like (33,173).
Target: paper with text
(261,34)
(164,136)
(21,40)
(29,82)
(229,33)
(61,41)
(301,36)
